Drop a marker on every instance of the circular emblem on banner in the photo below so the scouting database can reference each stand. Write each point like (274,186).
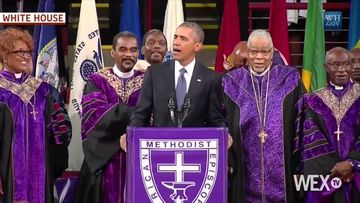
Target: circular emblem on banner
(87,68)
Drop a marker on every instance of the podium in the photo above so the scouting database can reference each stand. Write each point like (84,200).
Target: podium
(179,165)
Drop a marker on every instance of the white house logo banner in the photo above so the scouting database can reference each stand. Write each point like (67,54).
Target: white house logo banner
(177,165)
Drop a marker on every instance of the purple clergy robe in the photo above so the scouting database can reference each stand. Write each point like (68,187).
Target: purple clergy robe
(285,89)
(34,134)
(318,141)
(107,105)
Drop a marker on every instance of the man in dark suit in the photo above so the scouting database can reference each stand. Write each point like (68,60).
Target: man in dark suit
(201,86)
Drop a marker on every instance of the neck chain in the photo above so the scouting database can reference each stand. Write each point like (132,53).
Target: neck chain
(262,121)
(33,112)
(128,84)
(261,114)
(338,121)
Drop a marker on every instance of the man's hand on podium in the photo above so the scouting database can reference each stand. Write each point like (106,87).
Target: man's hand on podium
(230,141)
(123,142)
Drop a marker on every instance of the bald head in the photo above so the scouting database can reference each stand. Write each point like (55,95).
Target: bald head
(355,53)
(355,62)
(240,54)
(335,52)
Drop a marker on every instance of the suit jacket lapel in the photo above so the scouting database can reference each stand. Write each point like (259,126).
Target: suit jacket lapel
(171,73)
(196,80)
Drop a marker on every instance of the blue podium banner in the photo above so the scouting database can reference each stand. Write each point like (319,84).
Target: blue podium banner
(179,165)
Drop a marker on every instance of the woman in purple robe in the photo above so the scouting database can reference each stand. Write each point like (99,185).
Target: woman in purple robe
(34,126)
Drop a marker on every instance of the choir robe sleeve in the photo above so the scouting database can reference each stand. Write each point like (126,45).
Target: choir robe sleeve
(355,152)
(103,122)
(323,161)
(59,132)
(319,156)
(6,135)
(292,107)
(318,153)
(235,157)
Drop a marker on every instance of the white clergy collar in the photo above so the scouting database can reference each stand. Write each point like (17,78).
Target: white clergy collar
(17,75)
(336,86)
(122,74)
(259,74)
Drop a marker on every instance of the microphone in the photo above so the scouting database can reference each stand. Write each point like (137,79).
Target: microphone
(172,107)
(187,104)
(187,107)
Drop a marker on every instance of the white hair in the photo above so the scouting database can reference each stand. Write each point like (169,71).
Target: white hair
(259,33)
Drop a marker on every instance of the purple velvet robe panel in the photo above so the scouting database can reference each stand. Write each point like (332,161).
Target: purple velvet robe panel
(110,92)
(348,123)
(238,87)
(320,141)
(28,100)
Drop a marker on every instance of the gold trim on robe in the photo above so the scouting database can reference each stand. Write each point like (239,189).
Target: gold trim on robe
(123,91)
(339,107)
(25,91)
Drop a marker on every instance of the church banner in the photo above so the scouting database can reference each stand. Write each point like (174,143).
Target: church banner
(174,16)
(46,65)
(88,59)
(179,165)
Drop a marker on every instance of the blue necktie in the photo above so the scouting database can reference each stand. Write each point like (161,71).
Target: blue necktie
(181,89)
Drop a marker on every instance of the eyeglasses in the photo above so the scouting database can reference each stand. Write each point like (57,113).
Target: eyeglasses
(337,65)
(22,53)
(254,52)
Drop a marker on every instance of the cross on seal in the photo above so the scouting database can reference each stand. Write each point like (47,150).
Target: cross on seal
(179,185)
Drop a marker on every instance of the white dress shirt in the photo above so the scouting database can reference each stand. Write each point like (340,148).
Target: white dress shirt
(188,74)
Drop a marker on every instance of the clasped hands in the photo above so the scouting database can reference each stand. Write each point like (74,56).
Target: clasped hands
(342,170)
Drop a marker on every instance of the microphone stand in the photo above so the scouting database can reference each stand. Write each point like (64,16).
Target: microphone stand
(171,106)
(182,114)
(178,117)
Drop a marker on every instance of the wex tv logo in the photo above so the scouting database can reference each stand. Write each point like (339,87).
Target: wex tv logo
(316,182)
